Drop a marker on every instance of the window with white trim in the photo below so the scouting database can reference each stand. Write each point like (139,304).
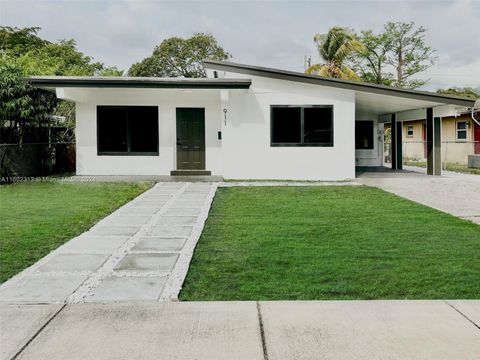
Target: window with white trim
(461,130)
(409,130)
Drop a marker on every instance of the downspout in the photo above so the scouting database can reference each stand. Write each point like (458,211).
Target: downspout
(475,106)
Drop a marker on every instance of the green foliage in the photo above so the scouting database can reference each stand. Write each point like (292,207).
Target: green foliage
(24,53)
(17,41)
(177,57)
(22,47)
(459,91)
(409,53)
(371,62)
(20,102)
(394,56)
(334,48)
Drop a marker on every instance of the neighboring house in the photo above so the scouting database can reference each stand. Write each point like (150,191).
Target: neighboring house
(460,138)
(242,122)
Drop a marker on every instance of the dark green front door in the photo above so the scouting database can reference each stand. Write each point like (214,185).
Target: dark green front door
(190,138)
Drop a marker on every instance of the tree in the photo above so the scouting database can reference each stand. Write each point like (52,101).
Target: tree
(177,57)
(24,53)
(22,104)
(23,47)
(334,48)
(18,41)
(371,63)
(458,91)
(409,53)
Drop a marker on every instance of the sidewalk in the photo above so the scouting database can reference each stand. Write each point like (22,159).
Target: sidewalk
(243,330)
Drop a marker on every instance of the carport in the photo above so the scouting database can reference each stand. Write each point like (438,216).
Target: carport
(395,105)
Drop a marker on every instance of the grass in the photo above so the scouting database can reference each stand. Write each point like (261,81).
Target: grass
(331,242)
(450,167)
(36,218)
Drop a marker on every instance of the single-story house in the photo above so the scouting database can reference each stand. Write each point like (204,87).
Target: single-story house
(460,138)
(243,122)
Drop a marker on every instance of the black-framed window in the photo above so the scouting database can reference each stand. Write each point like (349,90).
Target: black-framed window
(127,130)
(307,125)
(364,135)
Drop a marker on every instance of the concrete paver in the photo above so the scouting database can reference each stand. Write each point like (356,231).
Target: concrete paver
(182,211)
(73,262)
(147,263)
(189,204)
(146,331)
(155,243)
(126,220)
(19,323)
(171,231)
(93,244)
(124,288)
(368,330)
(41,289)
(139,210)
(114,230)
(177,220)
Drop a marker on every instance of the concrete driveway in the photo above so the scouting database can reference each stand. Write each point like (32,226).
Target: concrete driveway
(243,330)
(454,193)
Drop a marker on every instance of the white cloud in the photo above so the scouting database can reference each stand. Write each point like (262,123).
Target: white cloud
(269,33)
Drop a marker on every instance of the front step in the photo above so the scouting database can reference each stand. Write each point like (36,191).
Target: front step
(190,173)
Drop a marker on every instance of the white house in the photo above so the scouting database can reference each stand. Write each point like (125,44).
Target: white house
(243,122)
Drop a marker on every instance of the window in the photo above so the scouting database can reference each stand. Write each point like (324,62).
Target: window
(301,125)
(127,130)
(409,130)
(461,130)
(364,135)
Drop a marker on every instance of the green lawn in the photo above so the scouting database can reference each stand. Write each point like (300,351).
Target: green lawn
(331,242)
(36,218)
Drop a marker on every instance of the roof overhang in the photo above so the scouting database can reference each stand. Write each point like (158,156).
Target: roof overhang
(52,82)
(364,90)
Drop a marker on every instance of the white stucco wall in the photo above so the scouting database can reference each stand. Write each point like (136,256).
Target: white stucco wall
(89,163)
(244,151)
(370,157)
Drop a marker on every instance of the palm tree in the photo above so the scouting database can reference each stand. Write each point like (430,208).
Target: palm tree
(334,48)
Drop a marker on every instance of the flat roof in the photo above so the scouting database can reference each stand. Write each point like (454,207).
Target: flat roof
(136,82)
(337,83)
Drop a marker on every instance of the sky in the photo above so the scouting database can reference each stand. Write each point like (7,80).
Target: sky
(268,33)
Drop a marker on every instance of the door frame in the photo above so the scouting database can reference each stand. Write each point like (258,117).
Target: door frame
(177,158)
(476,138)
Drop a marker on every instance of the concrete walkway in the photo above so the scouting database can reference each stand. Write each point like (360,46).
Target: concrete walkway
(454,193)
(139,252)
(243,330)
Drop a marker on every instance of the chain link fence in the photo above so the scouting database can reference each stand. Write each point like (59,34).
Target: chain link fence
(455,154)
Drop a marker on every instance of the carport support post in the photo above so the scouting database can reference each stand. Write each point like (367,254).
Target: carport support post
(396,144)
(434,157)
